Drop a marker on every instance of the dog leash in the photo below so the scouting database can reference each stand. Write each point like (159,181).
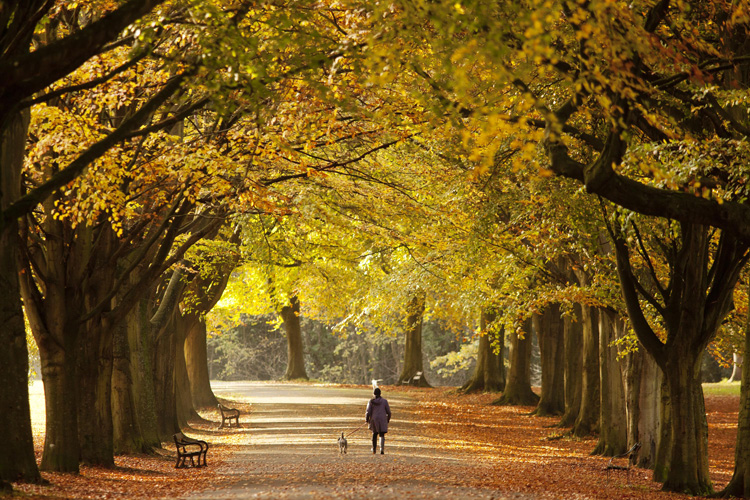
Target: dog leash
(355,430)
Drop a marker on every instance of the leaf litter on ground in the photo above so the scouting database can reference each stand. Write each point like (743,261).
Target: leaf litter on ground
(499,449)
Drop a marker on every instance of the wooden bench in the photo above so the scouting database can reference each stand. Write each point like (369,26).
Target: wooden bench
(630,460)
(189,448)
(414,380)
(227,414)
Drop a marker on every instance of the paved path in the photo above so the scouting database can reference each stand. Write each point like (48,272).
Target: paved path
(291,449)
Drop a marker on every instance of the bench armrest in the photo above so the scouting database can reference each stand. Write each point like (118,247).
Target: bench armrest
(184,441)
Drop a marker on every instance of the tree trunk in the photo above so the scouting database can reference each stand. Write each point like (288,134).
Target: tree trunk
(736,367)
(664,441)
(696,301)
(54,329)
(643,395)
(94,342)
(17,462)
(739,485)
(549,328)
(183,399)
(573,367)
(141,342)
(95,429)
(587,422)
(196,359)
(210,291)
(688,464)
(518,387)
(613,434)
(133,406)
(164,324)
(165,350)
(489,373)
(126,435)
(413,343)
(295,367)
(61,449)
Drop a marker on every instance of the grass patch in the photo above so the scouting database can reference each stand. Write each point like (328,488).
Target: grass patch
(722,388)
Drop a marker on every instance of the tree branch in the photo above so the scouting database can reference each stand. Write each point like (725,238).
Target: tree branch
(30,73)
(27,202)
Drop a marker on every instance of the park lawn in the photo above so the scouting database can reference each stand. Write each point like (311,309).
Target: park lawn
(723,388)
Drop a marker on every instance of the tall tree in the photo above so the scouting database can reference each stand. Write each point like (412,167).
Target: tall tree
(705,281)
(413,341)
(518,386)
(587,421)
(295,349)
(24,74)
(573,331)
(489,372)
(549,328)
(613,428)
(17,461)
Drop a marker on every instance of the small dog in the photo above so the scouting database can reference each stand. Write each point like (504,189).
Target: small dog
(342,444)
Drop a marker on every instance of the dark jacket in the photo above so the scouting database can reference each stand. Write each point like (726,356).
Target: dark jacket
(378,414)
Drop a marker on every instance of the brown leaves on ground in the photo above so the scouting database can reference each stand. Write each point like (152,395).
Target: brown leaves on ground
(145,476)
(495,449)
(519,453)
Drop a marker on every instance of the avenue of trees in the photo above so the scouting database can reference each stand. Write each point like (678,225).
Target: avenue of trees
(570,170)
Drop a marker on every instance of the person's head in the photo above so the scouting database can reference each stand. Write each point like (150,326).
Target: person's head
(376,392)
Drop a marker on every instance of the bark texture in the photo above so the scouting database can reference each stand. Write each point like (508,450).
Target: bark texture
(695,303)
(17,462)
(196,359)
(489,373)
(141,342)
(549,327)
(165,323)
(613,432)
(133,408)
(413,342)
(183,398)
(295,367)
(573,367)
(643,395)
(736,367)
(518,386)
(587,422)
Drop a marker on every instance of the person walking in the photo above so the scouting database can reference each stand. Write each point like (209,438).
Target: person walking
(378,415)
